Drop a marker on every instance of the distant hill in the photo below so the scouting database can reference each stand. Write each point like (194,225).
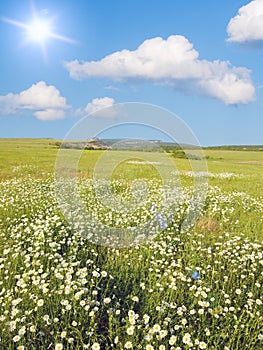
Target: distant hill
(237,148)
(100,144)
(91,144)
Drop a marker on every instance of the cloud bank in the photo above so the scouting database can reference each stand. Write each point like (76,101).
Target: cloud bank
(247,25)
(44,100)
(173,62)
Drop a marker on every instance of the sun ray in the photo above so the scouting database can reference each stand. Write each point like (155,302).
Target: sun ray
(14,22)
(63,38)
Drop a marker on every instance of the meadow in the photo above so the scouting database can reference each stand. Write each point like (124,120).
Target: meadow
(199,288)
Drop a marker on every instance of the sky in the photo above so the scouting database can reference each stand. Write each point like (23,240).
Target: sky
(201,60)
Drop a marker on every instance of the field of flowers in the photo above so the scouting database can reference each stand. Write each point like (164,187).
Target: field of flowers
(194,289)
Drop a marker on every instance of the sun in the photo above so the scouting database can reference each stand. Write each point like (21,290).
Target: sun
(39,30)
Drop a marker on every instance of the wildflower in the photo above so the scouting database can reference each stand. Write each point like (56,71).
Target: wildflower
(95,346)
(128,345)
(172,340)
(156,328)
(16,338)
(149,347)
(32,328)
(59,346)
(184,321)
(163,225)
(179,312)
(186,338)
(95,274)
(40,302)
(22,331)
(131,313)
(63,334)
(195,275)
(146,318)
(207,332)
(163,333)
(130,330)
(135,299)
(107,300)
(202,345)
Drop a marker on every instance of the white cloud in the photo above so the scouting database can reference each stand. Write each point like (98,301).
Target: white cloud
(50,114)
(247,25)
(45,100)
(99,103)
(101,107)
(112,88)
(172,62)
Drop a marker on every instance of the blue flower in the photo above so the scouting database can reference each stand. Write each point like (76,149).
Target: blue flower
(195,275)
(159,218)
(163,224)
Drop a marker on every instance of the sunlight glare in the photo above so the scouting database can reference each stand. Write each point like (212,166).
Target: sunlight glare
(39,30)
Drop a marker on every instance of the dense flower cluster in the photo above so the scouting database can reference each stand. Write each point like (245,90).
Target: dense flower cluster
(211,175)
(195,289)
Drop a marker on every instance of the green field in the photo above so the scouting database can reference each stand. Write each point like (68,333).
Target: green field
(193,288)
(36,157)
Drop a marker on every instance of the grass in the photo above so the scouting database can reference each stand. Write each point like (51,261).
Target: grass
(186,289)
(36,157)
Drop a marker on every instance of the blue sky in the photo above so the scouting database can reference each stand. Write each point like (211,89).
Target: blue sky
(176,54)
